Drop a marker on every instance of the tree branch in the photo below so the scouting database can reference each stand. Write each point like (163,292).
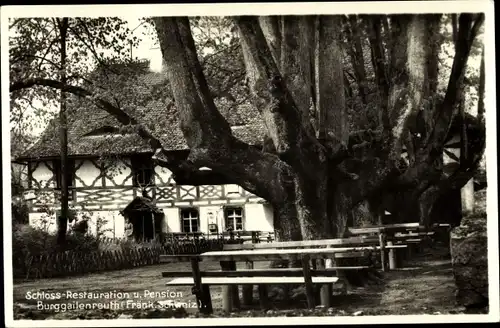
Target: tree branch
(454,29)
(378,61)
(271,96)
(356,52)
(271,28)
(297,61)
(480,101)
(90,46)
(444,116)
(207,133)
(36,57)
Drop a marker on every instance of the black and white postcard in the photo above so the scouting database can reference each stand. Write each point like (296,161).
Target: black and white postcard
(249,164)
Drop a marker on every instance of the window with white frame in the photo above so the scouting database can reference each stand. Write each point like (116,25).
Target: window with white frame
(234,218)
(189,218)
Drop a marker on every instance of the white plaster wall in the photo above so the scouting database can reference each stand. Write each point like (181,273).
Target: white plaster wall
(447,159)
(163,175)
(455,151)
(43,174)
(232,190)
(258,217)
(88,173)
(119,173)
(172,220)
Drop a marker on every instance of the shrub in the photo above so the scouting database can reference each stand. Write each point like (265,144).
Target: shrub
(35,241)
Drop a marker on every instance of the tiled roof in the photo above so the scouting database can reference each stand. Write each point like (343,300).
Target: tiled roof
(84,117)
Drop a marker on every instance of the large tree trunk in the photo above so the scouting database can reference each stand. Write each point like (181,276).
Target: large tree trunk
(62,219)
(434,42)
(355,48)
(330,95)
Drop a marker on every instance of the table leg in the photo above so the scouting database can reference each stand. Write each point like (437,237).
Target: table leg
(381,238)
(409,253)
(248,289)
(202,292)
(263,297)
(326,289)
(235,288)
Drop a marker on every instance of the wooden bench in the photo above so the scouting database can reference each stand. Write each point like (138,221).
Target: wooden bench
(411,234)
(231,279)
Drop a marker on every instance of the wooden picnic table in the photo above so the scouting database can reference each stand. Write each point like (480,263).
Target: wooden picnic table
(229,258)
(387,228)
(388,234)
(287,254)
(320,256)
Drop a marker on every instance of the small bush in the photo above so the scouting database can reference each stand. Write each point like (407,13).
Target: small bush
(36,253)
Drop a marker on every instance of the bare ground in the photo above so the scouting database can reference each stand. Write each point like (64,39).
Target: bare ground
(424,285)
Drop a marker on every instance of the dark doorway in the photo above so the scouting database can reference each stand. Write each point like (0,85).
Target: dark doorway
(142,223)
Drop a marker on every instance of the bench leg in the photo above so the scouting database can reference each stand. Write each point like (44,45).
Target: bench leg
(227,299)
(248,289)
(235,289)
(382,239)
(263,298)
(326,290)
(227,291)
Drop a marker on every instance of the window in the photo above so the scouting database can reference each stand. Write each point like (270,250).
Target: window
(142,168)
(189,217)
(234,218)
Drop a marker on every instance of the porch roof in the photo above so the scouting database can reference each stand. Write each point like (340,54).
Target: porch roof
(141,204)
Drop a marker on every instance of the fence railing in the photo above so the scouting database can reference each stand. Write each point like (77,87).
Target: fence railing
(253,236)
